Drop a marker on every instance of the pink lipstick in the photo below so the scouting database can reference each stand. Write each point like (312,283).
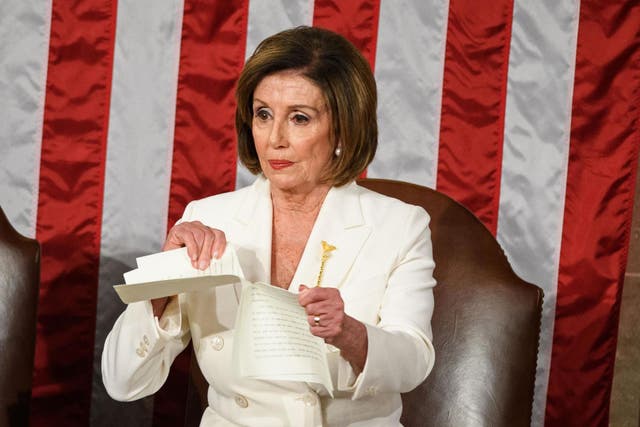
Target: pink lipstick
(279,164)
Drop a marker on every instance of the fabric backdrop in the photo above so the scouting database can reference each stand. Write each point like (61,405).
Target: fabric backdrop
(114,114)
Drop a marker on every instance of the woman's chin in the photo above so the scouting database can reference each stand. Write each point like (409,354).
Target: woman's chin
(290,184)
(287,185)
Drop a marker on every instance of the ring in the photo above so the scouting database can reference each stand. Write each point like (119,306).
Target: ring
(316,320)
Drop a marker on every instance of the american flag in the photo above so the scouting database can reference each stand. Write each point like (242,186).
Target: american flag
(115,114)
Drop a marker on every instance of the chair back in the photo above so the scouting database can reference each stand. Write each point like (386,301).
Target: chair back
(19,285)
(486,323)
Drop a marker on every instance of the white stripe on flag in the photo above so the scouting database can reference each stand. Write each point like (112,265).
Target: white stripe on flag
(24,45)
(267,17)
(138,168)
(409,69)
(534,169)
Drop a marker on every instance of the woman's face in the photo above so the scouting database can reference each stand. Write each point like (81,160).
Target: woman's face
(292,131)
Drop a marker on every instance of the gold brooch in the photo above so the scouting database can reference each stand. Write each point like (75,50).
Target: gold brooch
(326,249)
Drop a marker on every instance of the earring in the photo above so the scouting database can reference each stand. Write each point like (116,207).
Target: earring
(338,151)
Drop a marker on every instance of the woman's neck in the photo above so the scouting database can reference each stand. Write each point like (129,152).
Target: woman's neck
(307,202)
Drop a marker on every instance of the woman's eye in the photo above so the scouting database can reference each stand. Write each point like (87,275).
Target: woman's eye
(262,114)
(300,119)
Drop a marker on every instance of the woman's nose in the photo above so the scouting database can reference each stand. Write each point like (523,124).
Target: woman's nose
(278,134)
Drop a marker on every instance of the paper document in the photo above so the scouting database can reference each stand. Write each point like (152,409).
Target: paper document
(272,340)
(170,273)
(166,288)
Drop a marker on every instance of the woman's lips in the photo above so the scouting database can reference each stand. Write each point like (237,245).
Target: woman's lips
(279,164)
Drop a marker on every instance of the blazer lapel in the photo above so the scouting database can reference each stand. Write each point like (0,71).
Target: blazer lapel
(340,223)
(253,233)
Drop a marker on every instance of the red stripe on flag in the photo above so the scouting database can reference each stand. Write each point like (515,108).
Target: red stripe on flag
(70,208)
(211,58)
(356,20)
(599,200)
(204,152)
(473,105)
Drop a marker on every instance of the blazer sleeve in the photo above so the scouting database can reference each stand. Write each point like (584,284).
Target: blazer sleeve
(400,354)
(140,349)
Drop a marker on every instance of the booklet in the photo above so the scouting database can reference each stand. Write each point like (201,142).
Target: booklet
(272,340)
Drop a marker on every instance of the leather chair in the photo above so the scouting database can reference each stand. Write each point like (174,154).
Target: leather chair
(19,286)
(485,324)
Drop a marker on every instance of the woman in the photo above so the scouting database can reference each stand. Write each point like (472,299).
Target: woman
(306,124)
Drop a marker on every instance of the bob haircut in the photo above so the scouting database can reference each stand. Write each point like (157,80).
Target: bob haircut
(343,75)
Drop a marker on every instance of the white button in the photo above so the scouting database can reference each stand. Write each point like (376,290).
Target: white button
(146,340)
(217,343)
(142,349)
(372,391)
(241,401)
(309,399)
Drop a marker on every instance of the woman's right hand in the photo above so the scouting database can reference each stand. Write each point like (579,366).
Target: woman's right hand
(203,244)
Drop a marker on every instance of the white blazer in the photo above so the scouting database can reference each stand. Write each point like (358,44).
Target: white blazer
(383,268)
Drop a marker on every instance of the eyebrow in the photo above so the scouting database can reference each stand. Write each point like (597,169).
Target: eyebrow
(293,107)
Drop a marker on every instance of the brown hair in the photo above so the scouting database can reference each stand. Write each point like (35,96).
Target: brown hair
(345,78)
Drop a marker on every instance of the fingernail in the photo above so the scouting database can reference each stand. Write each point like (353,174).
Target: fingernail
(202,265)
(215,254)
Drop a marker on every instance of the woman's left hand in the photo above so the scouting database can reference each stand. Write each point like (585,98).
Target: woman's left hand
(325,311)
(327,319)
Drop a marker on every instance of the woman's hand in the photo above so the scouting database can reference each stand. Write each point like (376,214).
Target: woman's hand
(325,305)
(327,319)
(203,243)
